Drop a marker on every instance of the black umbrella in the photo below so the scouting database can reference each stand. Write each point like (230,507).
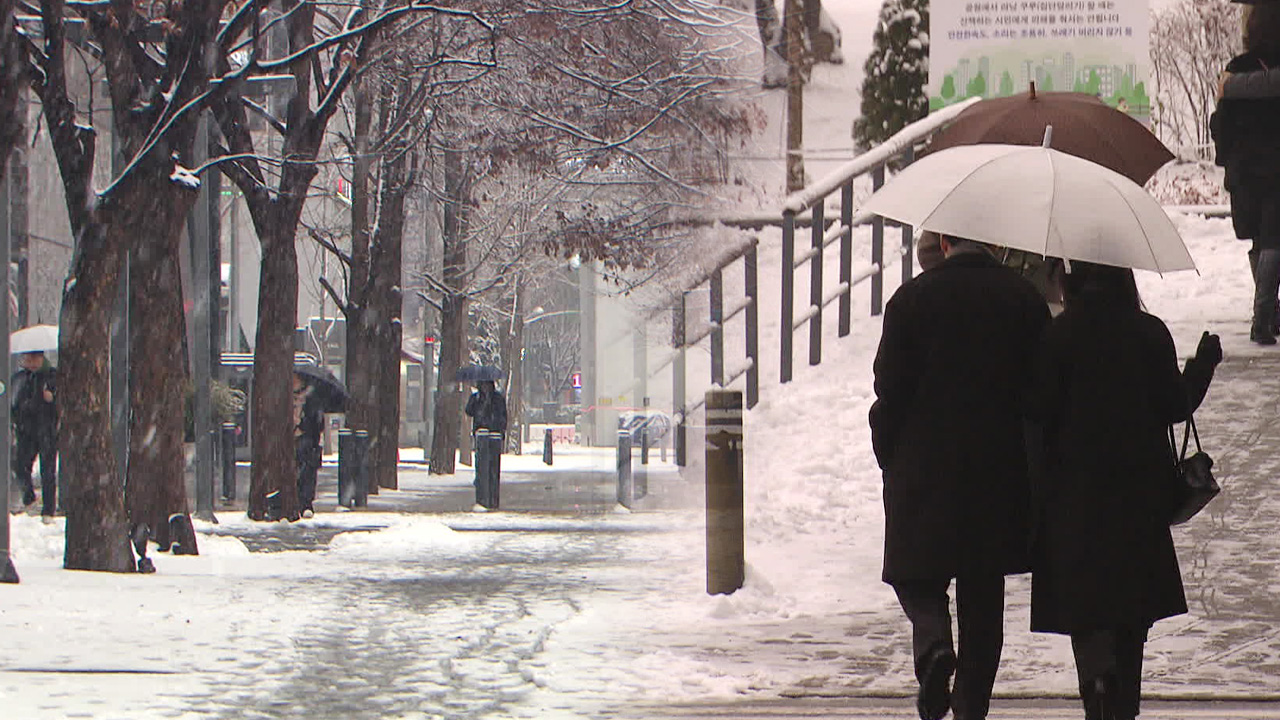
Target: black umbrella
(476,373)
(330,391)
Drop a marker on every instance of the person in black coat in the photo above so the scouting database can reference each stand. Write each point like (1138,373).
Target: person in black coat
(35,428)
(488,411)
(308,417)
(1105,391)
(1247,144)
(947,430)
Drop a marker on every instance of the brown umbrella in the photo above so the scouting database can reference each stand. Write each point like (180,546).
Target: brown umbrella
(1083,126)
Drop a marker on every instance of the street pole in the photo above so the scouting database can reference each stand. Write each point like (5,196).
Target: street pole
(8,573)
(119,357)
(198,231)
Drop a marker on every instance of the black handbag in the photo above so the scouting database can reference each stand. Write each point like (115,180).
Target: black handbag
(1194,483)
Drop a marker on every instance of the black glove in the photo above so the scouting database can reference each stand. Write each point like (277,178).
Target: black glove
(1210,349)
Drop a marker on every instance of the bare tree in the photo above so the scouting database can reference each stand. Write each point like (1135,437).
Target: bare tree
(323,56)
(1191,43)
(12,112)
(821,40)
(153,58)
(623,112)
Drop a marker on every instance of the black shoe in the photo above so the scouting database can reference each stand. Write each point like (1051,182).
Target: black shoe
(1262,338)
(934,699)
(28,497)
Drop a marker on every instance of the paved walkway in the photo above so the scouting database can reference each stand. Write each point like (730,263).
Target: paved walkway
(1221,660)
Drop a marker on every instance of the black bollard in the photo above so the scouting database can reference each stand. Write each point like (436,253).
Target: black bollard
(626,487)
(362,467)
(678,443)
(346,467)
(546,446)
(726,564)
(228,461)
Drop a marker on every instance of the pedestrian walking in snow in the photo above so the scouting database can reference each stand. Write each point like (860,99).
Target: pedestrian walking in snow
(488,411)
(34,413)
(1247,143)
(1105,391)
(947,430)
(308,418)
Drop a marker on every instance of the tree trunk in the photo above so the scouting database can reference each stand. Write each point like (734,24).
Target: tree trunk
(793,29)
(97,525)
(448,425)
(361,364)
(385,306)
(453,316)
(156,486)
(12,109)
(274,463)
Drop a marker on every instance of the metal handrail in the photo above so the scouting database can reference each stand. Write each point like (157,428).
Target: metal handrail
(908,136)
(813,198)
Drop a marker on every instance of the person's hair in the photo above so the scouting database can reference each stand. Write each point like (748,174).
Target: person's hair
(1100,285)
(1262,29)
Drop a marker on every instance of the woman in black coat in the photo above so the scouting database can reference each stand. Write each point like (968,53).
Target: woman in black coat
(1246,137)
(1106,389)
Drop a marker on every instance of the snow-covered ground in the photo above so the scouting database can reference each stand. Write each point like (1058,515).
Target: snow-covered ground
(230,629)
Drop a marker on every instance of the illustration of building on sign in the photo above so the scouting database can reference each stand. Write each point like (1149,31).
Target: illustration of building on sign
(1008,74)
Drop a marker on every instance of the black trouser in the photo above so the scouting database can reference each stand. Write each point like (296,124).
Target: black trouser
(1116,652)
(488,468)
(980,615)
(1265,266)
(308,455)
(26,448)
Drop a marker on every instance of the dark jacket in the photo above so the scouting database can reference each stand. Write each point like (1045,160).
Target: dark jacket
(30,412)
(1246,136)
(488,411)
(1106,389)
(947,424)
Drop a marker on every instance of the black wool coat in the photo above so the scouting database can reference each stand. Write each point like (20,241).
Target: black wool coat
(1106,389)
(487,411)
(1246,136)
(947,426)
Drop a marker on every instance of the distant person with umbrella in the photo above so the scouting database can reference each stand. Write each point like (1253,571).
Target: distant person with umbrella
(1247,144)
(488,411)
(315,392)
(35,421)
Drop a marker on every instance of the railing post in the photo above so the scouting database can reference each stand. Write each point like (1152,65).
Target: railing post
(726,562)
(908,266)
(815,283)
(678,378)
(846,257)
(786,331)
(753,328)
(877,248)
(717,325)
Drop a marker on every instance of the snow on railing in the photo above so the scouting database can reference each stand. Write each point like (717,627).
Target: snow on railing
(813,198)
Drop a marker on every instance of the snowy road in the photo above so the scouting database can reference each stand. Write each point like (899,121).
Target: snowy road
(439,616)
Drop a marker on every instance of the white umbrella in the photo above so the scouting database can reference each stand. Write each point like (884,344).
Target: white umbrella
(37,338)
(1035,199)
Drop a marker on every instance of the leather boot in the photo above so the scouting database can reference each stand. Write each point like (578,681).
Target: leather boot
(1266,278)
